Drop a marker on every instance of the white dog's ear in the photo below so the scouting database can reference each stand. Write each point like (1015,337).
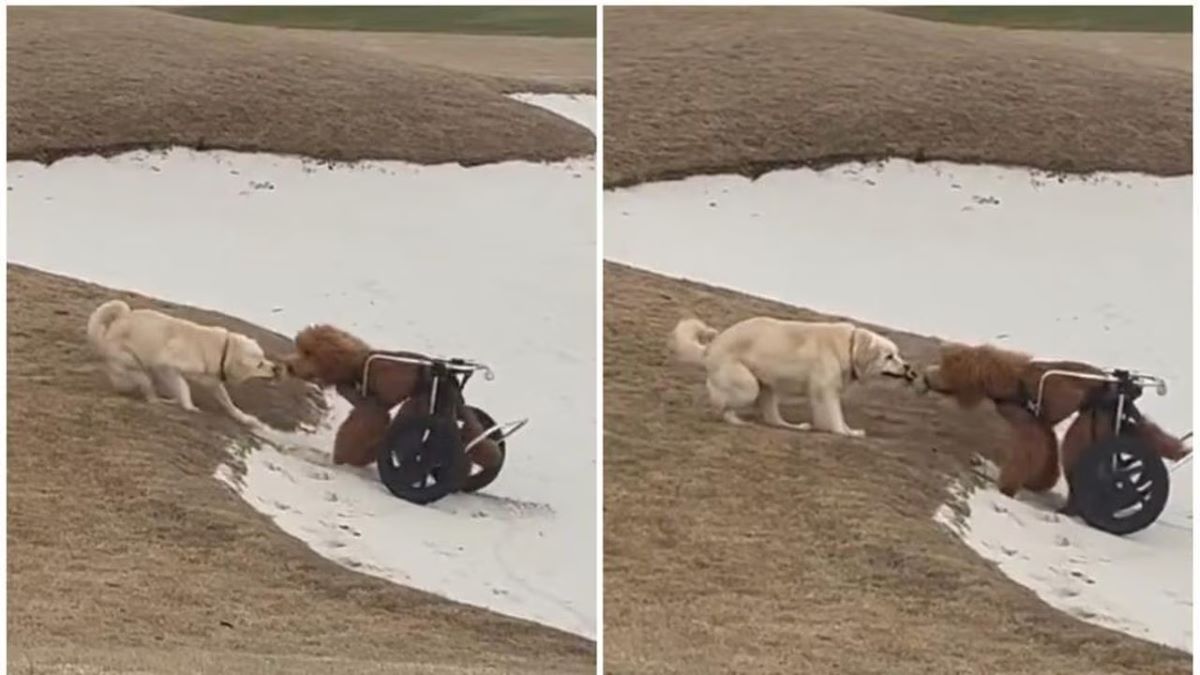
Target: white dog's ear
(864,352)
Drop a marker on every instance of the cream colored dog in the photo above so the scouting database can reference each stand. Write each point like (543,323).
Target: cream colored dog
(754,362)
(143,348)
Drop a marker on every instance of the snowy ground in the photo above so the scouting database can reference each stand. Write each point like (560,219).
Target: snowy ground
(493,262)
(1098,270)
(579,108)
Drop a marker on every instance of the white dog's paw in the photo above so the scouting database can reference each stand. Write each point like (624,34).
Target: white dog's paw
(732,418)
(854,433)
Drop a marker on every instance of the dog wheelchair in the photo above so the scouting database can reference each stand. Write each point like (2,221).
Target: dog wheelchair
(424,455)
(1119,484)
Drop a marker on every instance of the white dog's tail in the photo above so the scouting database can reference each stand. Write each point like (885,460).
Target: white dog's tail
(689,341)
(101,319)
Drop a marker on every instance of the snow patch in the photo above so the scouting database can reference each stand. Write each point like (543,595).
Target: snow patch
(579,108)
(1140,584)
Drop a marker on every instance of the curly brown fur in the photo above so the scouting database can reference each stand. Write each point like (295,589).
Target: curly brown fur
(361,434)
(331,357)
(327,356)
(973,374)
(1164,445)
(1033,456)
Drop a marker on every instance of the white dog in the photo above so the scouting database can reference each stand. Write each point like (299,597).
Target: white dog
(143,347)
(754,362)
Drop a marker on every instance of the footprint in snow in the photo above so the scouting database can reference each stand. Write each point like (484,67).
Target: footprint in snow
(1080,575)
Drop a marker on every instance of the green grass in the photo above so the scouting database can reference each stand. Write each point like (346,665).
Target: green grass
(1151,19)
(497,20)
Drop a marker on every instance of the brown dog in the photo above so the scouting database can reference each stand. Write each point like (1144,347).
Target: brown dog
(1010,380)
(331,357)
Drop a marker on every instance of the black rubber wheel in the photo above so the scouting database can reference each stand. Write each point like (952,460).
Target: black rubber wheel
(1120,485)
(422,458)
(481,477)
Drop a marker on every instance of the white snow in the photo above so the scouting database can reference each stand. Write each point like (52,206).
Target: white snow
(1098,270)
(495,263)
(579,108)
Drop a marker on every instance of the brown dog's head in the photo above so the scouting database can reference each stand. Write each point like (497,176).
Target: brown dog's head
(972,374)
(327,356)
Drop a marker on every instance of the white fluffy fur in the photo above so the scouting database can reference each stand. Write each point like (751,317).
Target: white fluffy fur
(149,352)
(755,362)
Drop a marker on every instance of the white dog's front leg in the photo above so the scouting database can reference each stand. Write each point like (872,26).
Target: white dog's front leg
(827,413)
(227,403)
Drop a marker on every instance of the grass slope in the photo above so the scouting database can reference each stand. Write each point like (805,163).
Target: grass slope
(496,20)
(754,550)
(1146,18)
(125,553)
(105,80)
(749,89)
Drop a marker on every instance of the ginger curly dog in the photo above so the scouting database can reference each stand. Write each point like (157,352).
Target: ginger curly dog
(330,357)
(1010,380)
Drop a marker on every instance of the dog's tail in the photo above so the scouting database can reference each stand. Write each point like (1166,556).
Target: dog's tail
(690,339)
(101,319)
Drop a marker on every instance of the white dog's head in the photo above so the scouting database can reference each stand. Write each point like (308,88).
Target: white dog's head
(244,359)
(873,354)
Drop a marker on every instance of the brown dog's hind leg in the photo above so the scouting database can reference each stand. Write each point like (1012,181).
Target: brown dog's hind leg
(1161,443)
(359,437)
(1087,428)
(1043,466)
(485,453)
(1026,458)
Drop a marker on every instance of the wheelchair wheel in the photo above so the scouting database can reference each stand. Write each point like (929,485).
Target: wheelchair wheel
(422,458)
(1120,485)
(480,477)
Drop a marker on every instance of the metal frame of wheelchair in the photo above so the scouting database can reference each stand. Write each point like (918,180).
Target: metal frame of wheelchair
(1119,484)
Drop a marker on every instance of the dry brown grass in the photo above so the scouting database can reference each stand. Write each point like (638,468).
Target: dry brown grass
(1160,50)
(753,550)
(534,64)
(105,80)
(124,552)
(712,90)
